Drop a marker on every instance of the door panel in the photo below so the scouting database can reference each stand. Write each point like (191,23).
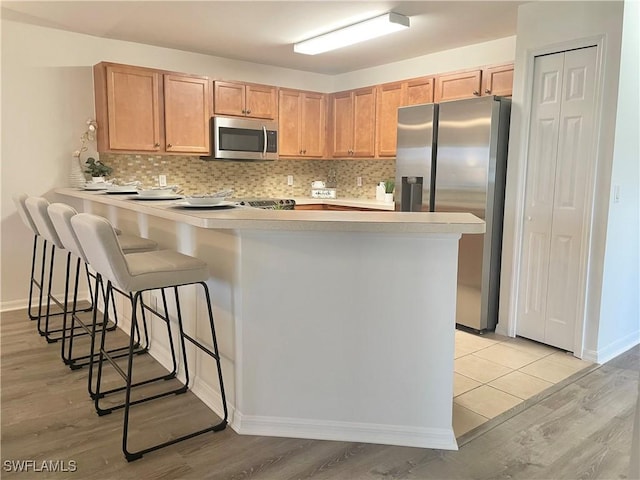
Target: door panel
(556,214)
(541,162)
(570,209)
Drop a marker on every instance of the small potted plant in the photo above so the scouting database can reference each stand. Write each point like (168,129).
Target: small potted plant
(389,186)
(96,169)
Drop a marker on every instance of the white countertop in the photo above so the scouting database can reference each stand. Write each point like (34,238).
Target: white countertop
(292,220)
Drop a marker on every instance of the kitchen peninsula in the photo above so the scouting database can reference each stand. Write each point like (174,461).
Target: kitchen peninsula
(331,325)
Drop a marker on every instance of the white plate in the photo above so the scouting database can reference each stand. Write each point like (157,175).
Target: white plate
(140,196)
(95,186)
(186,204)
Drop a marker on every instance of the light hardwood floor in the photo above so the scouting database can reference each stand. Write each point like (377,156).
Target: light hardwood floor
(583,430)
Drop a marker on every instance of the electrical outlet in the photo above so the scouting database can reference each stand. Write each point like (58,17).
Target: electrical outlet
(290,180)
(162,180)
(359,181)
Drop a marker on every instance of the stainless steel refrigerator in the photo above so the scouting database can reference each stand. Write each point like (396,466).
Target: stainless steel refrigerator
(452,157)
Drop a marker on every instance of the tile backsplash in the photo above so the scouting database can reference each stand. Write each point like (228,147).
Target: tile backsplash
(252,179)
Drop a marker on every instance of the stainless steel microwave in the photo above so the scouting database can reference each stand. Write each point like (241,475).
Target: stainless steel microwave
(243,139)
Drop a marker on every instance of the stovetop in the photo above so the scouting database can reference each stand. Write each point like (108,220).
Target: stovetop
(269,203)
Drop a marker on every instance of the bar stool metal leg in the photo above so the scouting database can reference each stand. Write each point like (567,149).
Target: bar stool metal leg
(131,456)
(106,355)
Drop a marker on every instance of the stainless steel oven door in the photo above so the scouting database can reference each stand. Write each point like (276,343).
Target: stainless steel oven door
(244,139)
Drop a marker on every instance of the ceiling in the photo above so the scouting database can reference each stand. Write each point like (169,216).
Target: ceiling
(264,31)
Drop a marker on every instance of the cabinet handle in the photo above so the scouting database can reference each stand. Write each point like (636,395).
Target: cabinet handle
(156,145)
(244,111)
(487,91)
(300,152)
(248,112)
(304,151)
(476,93)
(169,145)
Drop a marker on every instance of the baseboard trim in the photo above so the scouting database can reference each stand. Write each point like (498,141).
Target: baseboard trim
(609,352)
(23,303)
(439,438)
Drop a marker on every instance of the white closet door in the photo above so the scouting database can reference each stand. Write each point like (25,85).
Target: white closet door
(560,157)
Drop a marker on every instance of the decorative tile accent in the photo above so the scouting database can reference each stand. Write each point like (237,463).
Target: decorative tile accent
(251,179)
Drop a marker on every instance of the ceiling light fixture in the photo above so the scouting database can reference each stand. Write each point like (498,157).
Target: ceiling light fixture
(358,32)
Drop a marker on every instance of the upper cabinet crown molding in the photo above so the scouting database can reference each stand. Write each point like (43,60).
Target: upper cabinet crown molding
(245,100)
(145,110)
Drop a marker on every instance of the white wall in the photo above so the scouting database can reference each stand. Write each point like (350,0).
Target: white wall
(470,56)
(47,96)
(544,27)
(620,304)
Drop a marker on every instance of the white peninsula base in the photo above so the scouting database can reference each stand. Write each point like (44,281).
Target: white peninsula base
(347,336)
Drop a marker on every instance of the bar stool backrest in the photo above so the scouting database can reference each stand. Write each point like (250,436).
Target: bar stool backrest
(61,214)
(37,208)
(19,201)
(100,245)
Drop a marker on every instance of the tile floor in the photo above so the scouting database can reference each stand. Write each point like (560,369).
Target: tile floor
(493,374)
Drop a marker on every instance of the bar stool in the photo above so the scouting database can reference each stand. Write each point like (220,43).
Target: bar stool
(37,208)
(137,273)
(20,203)
(60,215)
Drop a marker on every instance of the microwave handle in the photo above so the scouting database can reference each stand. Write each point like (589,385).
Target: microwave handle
(264,148)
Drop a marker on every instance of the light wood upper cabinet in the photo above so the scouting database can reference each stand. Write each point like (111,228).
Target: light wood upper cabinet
(128,108)
(353,115)
(301,124)
(390,97)
(458,85)
(419,90)
(144,110)
(498,80)
(492,80)
(187,114)
(245,100)
(341,124)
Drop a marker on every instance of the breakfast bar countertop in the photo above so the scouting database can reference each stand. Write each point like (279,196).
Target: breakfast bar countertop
(292,220)
(315,306)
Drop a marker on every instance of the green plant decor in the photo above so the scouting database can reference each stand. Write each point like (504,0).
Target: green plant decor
(389,186)
(95,168)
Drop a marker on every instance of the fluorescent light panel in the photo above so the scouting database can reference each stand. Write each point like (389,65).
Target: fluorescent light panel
(356,33)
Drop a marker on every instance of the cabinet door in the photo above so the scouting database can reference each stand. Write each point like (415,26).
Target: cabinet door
(364,122)
(458,85)
(133,106)
(419,90)
(289,124)
(229,98)
(186,114)
(341,124)
(389,97)
(498,80)
(261,101)
(312,119)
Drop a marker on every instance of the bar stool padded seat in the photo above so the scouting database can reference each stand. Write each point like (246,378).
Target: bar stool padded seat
(135,271)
